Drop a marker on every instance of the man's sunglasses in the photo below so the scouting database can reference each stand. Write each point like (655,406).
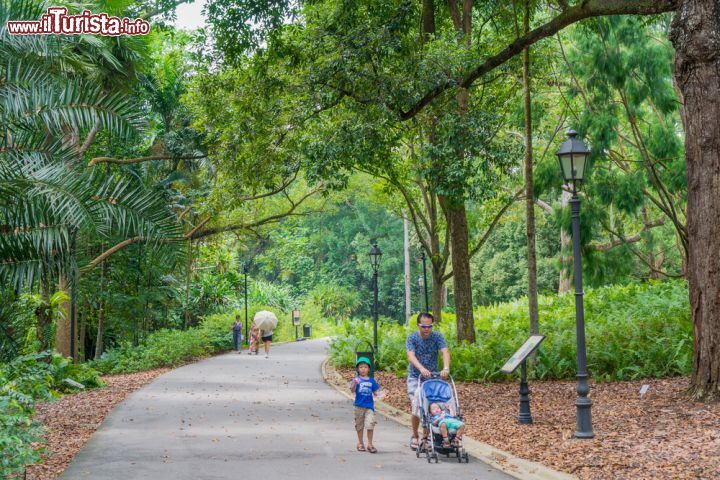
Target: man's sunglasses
(425,326)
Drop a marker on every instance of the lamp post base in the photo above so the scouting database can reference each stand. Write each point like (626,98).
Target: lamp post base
(584,418)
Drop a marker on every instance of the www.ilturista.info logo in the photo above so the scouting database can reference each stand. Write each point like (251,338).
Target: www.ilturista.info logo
(57,21)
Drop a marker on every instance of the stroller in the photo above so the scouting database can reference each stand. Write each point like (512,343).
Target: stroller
(436,390)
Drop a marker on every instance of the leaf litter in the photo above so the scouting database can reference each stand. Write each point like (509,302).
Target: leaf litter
(663,435)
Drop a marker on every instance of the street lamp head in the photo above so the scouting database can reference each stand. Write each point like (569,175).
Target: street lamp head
(421,281)
(375,255)
(573,154)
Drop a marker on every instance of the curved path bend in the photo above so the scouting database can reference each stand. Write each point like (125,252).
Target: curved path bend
(238,416)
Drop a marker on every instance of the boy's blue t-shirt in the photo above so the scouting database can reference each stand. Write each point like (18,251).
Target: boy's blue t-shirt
(364,393)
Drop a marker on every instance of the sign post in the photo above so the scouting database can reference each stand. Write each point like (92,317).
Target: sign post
(296,321)
(519,359)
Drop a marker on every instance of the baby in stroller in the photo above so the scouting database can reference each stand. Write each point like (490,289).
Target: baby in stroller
(448,423)
(442,426)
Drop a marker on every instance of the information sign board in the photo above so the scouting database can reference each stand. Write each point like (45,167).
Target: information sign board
(530,345)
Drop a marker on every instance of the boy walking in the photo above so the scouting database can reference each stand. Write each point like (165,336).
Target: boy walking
(364,387)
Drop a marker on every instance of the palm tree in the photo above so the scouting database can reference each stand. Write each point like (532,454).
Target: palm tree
(53,100)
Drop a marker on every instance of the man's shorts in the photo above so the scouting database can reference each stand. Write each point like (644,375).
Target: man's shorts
(364,419)
(413,391)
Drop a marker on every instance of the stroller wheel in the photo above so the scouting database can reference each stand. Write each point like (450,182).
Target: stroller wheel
(466,457)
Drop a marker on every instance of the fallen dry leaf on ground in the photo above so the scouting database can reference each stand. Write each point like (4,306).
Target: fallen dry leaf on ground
(661,436)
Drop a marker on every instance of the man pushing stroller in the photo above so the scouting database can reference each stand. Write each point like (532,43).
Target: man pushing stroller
(422,348)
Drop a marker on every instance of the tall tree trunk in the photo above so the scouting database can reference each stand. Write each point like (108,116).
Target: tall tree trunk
(695,34)
(81,336)
(529,194)
(188,276)
(566,277)
(437,290)
(43,314)
(62,330)
(406,250)
(99,343)
(462,289)
(455,211)
(428,20)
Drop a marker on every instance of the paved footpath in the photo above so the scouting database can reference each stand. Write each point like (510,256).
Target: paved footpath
(238,416)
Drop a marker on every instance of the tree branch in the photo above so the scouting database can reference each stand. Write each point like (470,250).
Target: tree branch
(197,231)
(494,222)
(272,192)
(623,240)
(89,139)
(125,161)
(544,205)
(581,11)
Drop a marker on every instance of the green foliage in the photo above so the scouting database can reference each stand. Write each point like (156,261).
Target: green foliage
(167,348)
(25,380)
(18,433)
(634,331)
(170,348)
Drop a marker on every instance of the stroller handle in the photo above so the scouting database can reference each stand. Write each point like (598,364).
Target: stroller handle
(435,375)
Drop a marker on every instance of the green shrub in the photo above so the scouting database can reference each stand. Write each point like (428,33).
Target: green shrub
(168,348)
(633,331)
(18,433)
(23,381)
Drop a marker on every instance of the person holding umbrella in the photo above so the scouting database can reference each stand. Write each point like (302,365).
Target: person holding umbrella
(266,323)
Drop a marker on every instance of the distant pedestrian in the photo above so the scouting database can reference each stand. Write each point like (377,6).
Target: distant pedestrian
(422,348)
(254,338)
(364,387)
(237,334)
(266,336)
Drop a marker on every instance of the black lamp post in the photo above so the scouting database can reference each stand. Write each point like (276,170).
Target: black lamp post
(424,280)
(573,155)
(245,271)
(375,255)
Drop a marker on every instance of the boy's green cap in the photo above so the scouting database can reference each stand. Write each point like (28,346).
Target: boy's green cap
(363,360)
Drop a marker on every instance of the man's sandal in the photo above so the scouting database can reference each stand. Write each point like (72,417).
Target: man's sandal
(360,447)
(371,449)
(414,443)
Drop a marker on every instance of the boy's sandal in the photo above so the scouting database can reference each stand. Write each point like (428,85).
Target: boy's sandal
(360,447)
(371,449)
(446,443)
(457,441)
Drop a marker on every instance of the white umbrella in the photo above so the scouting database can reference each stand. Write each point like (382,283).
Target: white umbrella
(265,320)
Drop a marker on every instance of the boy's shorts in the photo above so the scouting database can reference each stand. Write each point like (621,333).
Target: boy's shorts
(452,423)
(364,419)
